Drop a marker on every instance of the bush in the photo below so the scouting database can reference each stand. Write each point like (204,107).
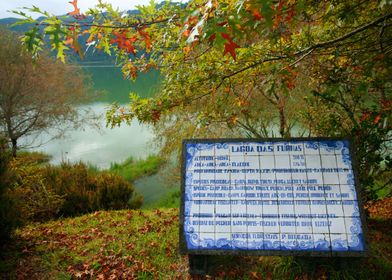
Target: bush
(86,190)
(34,201)
(43,192)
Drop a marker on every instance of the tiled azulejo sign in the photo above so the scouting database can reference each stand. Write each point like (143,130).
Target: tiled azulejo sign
(271,197)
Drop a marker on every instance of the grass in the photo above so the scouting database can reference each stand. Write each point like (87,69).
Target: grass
(132,169)
(142,244)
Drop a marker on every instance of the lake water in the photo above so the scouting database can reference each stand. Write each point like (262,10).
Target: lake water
(101,147)
(106,145)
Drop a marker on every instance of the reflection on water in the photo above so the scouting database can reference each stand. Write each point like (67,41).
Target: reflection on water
(107,145)
(100,147)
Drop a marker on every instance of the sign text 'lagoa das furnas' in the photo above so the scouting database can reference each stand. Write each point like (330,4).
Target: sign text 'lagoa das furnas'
(271,197)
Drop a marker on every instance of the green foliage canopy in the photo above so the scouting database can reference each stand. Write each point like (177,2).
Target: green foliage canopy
(249,67)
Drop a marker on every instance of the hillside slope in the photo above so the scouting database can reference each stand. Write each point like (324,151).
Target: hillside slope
(144,245)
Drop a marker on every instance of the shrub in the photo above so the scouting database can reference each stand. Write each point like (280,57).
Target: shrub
(42,191)
(86,190)
(34,201)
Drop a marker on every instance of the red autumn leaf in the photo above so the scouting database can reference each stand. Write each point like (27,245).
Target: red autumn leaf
(146,38)
(230,46)
(212,37)
(290,14)
(256,14)
(123,42)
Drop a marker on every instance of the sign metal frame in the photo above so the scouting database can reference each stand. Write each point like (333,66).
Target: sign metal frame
(182,242)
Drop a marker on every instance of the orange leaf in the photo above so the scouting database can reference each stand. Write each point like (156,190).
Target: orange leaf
(256,14)
(377,119)
(76,12)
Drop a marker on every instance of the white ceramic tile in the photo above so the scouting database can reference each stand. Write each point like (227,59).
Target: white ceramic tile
(207,206)
(235,148)
(355,242)
(221,149)
(320,225)
(334,207)
(346,178)
(254,225)
(282,148)
(282,161)
(223,240)
(315,177)
(239,240)
(239,225)
(267,162)
(207,240)
(348,192)
(237,177)
(287,225)
(311,147)
(223,207)
(253,148)
(253,161)
(207,225)
(328,161)
(255,241)
(192,224)
(298,178)
(191,207)
(318,207)
(326,147)
(297,148)
(321,242)
(270,225)
(344,161)
(288,242)
(337,225)
(332,191)
(206,149)
(305,242)
(304,225)
(313,161)
(255,208)
(265,148)
(302,208)
(271,241)
(238,207)
(222,225)
(270,207)
(353,225)
(339,242)
(222,193)
(350,208)
(286,208)
(207,176)
(331,178)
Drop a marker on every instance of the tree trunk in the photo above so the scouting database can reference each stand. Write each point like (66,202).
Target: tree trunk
(14,146)
(282,119)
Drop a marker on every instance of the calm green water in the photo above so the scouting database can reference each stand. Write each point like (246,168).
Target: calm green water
(110,81)
(101,147)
